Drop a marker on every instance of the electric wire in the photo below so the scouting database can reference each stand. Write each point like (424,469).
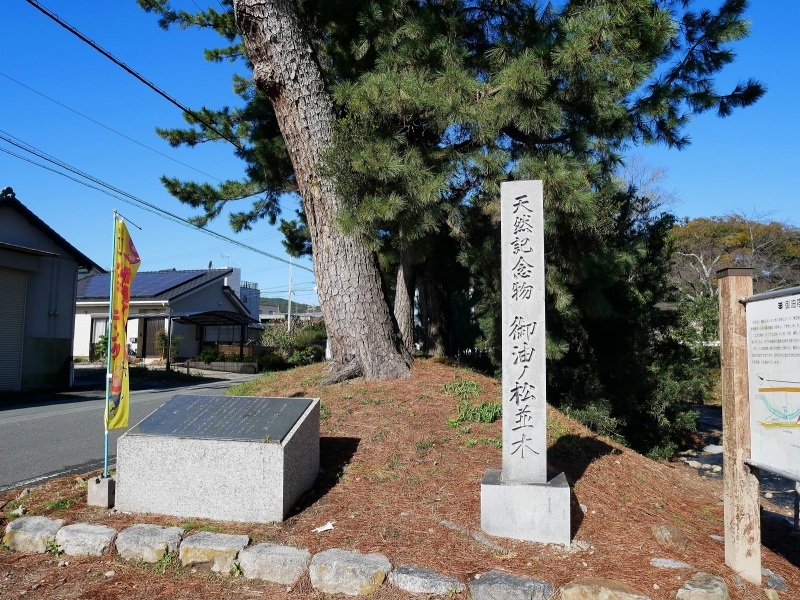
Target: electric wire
(47,12)
(112,130)
(118,193)
(129,70)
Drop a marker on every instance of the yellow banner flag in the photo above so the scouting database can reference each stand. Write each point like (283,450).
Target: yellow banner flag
(126,264)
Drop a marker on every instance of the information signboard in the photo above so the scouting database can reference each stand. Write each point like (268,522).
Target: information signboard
(773,357)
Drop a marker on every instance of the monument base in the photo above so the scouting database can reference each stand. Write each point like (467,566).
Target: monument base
(223,479)
(534,512)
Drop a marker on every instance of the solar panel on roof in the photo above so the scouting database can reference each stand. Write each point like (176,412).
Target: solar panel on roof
(155,283)
(96,286)
(144,284)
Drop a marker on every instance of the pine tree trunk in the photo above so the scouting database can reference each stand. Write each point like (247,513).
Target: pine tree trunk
(404,301)
(360,328)
(436,322)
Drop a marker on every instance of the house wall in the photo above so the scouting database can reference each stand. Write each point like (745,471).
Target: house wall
(50,301)
(250,298)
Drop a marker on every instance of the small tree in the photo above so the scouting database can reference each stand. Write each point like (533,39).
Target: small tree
(161,344)
(101,346)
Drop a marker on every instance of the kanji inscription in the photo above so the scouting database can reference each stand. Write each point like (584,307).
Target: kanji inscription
(524,414)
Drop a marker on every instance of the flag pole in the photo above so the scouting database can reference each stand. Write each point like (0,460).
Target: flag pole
(108,348)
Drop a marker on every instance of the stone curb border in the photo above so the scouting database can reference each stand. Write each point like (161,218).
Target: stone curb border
(334,571)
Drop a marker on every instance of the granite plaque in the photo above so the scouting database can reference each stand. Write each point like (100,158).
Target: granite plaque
(246,459)
(239,418)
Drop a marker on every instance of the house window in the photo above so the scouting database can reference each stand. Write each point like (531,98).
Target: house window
(99,329)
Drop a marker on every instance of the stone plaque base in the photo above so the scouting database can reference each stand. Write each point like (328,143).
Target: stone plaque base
(534,512)
(100,492)
(223,479)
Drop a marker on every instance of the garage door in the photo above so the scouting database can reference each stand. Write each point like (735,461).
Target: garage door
(12,323)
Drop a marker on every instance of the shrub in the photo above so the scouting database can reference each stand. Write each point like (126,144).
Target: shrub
(306,356)
(211,354)
(101,347)
(304,345)
(174,344)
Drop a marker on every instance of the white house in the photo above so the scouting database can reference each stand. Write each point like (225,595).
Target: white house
(211,306)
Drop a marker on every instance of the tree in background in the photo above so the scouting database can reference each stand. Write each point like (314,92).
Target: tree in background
(417,110)
(705,245)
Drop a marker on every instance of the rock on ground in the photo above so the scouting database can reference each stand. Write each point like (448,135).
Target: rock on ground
(495,585)
(704,586)
(31,534)
(271,562)
(418,580)
(217,549)
(594,588)
(83,539)
(148,543)
(774,581)
(668,563)
(339,571)
(669,536)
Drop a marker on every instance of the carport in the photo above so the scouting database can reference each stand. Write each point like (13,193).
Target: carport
(203,320)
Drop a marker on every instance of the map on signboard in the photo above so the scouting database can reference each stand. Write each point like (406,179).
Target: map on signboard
(773,353)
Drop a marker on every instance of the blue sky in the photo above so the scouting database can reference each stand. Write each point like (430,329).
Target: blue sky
(745,163)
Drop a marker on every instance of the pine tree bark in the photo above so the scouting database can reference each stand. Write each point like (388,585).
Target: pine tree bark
(404,301)
(360,327)
(436,321)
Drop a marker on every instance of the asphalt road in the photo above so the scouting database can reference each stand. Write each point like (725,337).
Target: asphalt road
(62,433)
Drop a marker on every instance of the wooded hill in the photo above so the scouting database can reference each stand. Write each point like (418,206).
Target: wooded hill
(283,305)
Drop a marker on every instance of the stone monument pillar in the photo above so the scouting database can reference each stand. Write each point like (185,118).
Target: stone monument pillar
(519,501)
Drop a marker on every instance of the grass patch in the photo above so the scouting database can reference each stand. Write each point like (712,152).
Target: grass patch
(467,412)
(52,547)
(248,388)
(168,563)
(556,429)
(61,503)
(462,389)
(194,525)
(423,445)
(485,412)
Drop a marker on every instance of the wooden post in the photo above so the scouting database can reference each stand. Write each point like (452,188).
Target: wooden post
(742,519)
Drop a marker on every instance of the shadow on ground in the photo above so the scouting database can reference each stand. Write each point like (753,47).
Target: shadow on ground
(89,384)
(777,534)
(335,453)
(572,455)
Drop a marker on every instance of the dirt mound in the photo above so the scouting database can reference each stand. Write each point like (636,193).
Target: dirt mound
(401,476)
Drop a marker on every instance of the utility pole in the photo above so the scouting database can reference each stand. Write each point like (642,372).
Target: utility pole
(289,315)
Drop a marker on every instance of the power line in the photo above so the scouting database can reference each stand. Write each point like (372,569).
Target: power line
(121,64)
(118,193)
(88,118)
